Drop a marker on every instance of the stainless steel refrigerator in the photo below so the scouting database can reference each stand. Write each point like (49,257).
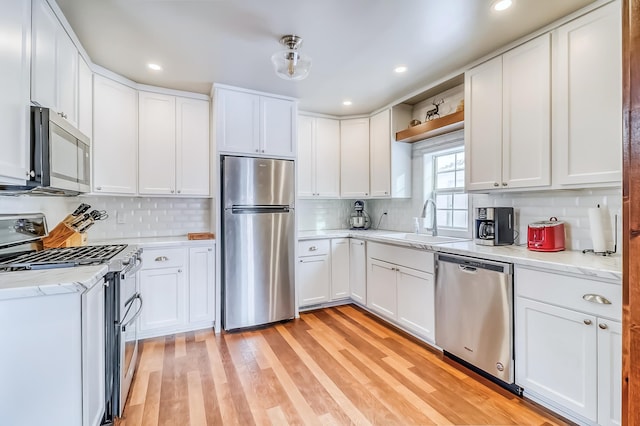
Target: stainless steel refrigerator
(258,240)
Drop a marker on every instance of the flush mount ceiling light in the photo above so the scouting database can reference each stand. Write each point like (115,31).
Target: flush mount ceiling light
(400,69)
(347,103)
(500,5)
(290,64)
(154,67)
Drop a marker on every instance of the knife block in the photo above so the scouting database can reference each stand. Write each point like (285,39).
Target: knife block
(64,236)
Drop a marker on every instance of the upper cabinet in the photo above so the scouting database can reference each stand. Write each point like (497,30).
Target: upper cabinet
(507,114)
(318,157)
(173,145)
(115,137)
(354,158)
(14,87)
(249,123)
(587,99)
(85,97)
(54,64)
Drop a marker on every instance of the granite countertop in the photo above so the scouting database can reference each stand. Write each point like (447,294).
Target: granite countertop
(156,241)
(48,282)
(603,267)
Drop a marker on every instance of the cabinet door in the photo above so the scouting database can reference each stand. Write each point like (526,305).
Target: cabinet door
(483,126)
(609,372)
(66,77)
(237,122)
(201,284)
(380,154)
(339,268)
(115,137)
(416,303)
(193,157)
(156,143)
(43,54)
(354,158)
(85,98)
(313,279)
(526,104)
(587,98)
(93,350)
(556,355)
(381,288)
(358,271)
(277,127)
(163,292)
(306,156)
(327,156)
(14,86)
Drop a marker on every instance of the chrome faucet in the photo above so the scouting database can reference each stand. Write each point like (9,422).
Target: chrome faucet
(434,222)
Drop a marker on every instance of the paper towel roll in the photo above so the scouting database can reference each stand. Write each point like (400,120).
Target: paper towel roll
(600,226)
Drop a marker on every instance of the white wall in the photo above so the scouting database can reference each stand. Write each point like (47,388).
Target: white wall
(324,214)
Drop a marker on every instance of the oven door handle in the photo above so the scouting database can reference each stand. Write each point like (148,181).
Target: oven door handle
(129,303)
(132,269)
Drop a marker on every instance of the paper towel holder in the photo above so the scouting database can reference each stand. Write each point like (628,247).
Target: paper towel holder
(615,240)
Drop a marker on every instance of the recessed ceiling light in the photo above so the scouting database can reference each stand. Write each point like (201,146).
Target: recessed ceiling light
(154,67)
(500,5)
(400,69)
(347,103)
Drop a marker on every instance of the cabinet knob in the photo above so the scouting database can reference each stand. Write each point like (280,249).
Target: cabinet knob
(179,271)
(504,183)
(587,322)
(179,191)
(209,249)
(161,259)
(313,248)
(603,326)
(366,193)
(172,191)
(496,184)
(257,150)
(263,150)
(98,188)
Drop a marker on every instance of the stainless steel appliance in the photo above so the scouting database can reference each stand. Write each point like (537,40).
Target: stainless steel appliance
(123,302)
(59,157)
(474,315)
(359,218)
(258,237)
(494,226)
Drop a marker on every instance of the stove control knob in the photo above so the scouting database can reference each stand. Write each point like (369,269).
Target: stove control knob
(499,366)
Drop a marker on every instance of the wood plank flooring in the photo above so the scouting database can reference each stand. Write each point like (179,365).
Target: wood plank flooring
(335,366)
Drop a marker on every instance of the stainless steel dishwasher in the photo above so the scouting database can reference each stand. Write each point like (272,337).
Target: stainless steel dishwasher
(474,314)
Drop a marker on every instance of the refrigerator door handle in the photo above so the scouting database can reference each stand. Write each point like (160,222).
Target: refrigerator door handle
(259,209)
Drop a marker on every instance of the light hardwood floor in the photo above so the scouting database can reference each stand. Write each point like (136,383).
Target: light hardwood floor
(335,366)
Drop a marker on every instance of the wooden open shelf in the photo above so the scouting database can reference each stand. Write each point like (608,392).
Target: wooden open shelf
(435,127)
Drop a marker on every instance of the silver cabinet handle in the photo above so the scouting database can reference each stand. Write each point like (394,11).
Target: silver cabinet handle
(179,191)
(98,188)
(161,259)
(496,184)
(587,322)
(504,183)
(596,298)
(313,248)
(603,326)
(179,271)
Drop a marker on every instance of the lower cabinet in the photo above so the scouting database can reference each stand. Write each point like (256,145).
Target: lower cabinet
(568,344)
(177,285)
(400,287)
(358,271)
(339,268)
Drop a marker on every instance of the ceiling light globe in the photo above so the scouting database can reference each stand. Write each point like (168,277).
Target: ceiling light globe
(291,65)
(347,103)
(400,69)
(501,5)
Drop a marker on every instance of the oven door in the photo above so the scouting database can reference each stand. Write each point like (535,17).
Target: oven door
(130,309)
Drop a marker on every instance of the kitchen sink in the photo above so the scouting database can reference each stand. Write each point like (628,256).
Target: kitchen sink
(423,238)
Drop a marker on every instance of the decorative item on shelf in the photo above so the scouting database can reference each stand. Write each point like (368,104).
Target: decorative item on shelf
(290,64)
(64,236)
(201,236)
(414,123)
(460,106)
(433,112)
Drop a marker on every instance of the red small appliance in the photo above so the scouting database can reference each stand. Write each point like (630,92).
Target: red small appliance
(546,235)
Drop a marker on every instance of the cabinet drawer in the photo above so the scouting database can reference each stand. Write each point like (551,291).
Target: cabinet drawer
(411,258)
(313,248)
(163,258)
(570,292)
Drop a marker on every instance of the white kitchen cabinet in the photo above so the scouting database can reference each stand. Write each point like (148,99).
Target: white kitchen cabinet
(507,119)
(54,62)
(318,157)
(164,291)
(93,355)
(609,372)
(249,123)
(568,343)
(173,145)
(85,98)
(354,158)
(202,284)
(380,154)
(115,137)
(587,99)
(358,271)
(314,272)
(400,287)
(14,85)
(339,268)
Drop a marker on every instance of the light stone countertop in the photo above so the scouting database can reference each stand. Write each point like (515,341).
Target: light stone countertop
(157,241)
(49,282)
(576,262)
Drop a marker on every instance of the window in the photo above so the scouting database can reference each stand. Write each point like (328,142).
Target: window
(445,184)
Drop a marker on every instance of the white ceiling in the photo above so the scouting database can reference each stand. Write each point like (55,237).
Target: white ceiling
(354,44)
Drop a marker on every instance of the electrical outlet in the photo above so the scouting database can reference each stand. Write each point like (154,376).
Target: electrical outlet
(121,218)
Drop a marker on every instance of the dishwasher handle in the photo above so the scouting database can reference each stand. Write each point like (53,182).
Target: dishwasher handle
(468,269)
(472,265)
